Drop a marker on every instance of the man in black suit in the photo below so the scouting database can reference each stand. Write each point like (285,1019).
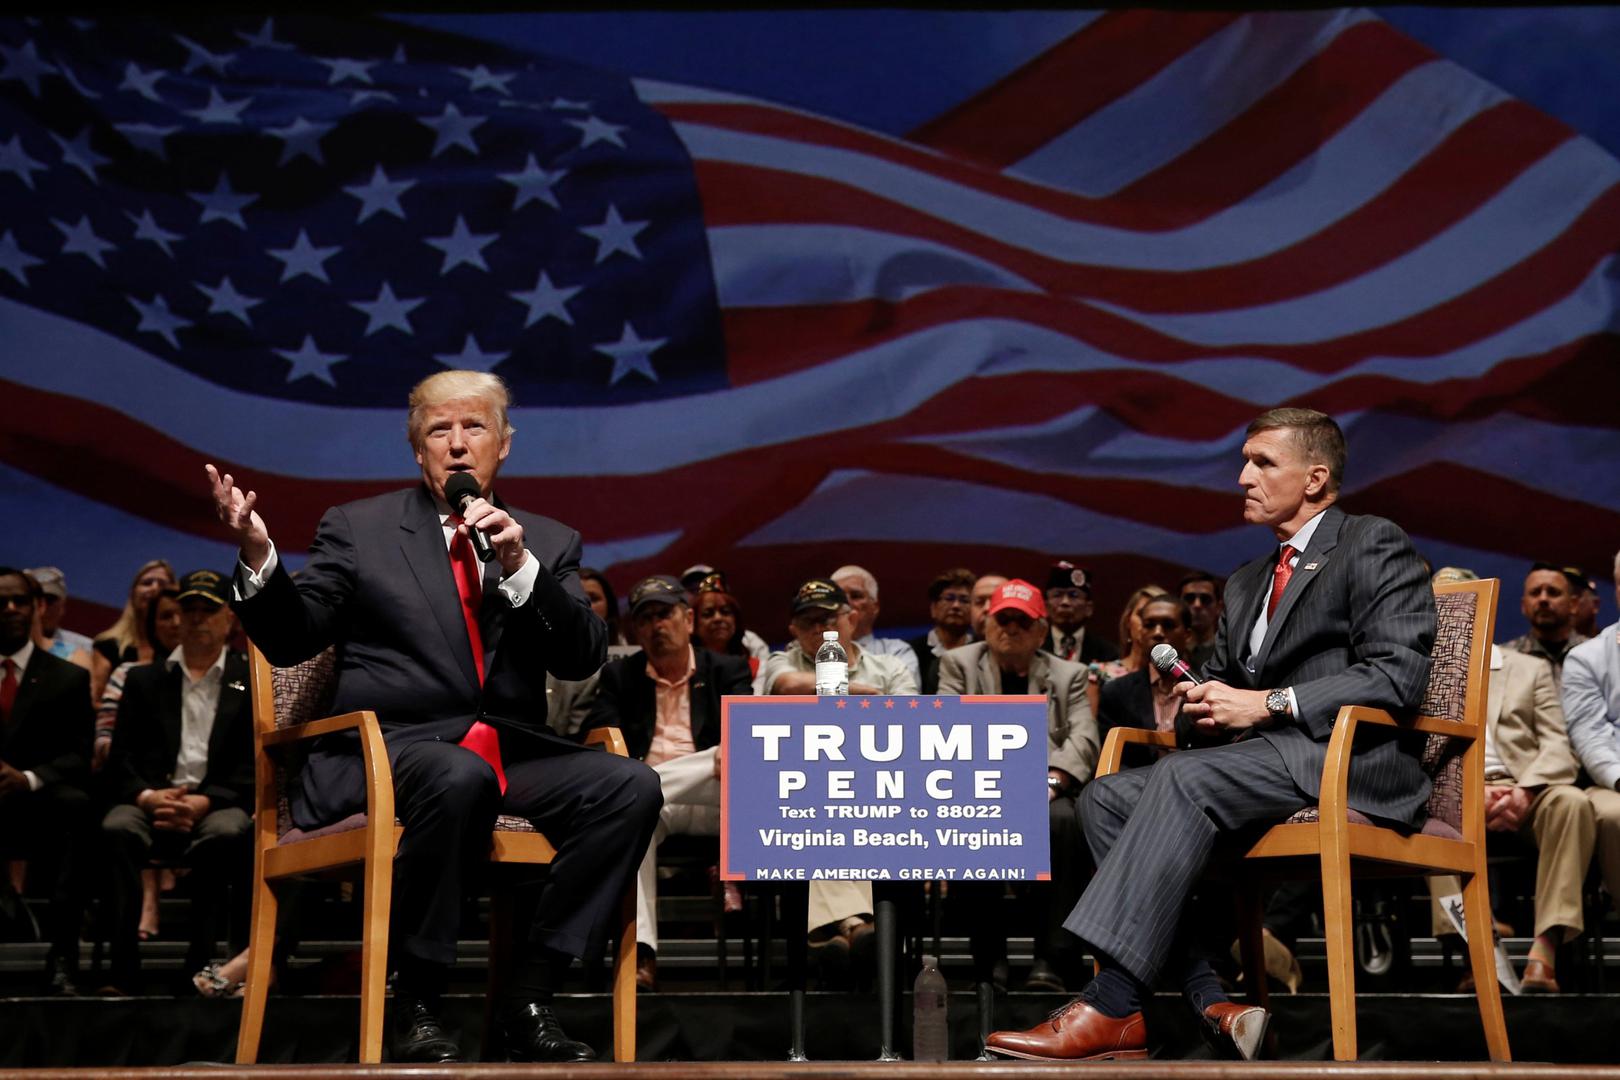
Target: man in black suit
(181,772)
(46,817)
(665,699)
(1341,614)
(1144,698)
(452,655)
(1068,599)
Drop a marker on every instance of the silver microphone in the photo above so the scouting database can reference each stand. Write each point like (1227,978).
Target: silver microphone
(1171,665)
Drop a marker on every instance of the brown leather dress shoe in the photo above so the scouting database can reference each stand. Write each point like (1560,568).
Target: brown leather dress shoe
(1539,978)
(1076,1032)
(1236,1030)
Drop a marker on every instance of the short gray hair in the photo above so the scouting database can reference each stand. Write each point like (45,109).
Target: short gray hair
(865,575)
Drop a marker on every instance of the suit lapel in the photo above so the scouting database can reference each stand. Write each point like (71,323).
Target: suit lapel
(1040,673)
(28,680)
(422,541)
(989,673)
(232,695)
(1310,565)
(697,690)
(171,711)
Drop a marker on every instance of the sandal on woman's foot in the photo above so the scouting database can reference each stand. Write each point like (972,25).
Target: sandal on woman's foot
(211,984)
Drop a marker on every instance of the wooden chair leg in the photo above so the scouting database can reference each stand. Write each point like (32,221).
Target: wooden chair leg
(500,966)
(379,886)
(1338,921)
(1252,944)
(1482,962)
(624,981)
(256,988)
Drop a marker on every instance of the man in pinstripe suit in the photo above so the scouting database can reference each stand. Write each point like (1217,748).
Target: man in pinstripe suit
(1341,613)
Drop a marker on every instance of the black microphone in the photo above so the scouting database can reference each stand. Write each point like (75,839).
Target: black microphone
(1171,665)
(462,489)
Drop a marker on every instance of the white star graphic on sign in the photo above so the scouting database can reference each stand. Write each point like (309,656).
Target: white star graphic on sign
(197,56)
(380,195)
(565,103)
(480,78)
(546,300)
(534,184)
(220,111)
(14,260)
(471,357)
(156,318)
(147,137)
(78,154)
(265,38)
(301,139)
(462,246)
(309,360)
(143,83)
(358,70)
(386,311)
(303,258)
(223,299)
(14,159)
(147,228)
(614,234)
(451,128)
(223,204)
(25,65)
(631,354)
(596,130)
(81,239)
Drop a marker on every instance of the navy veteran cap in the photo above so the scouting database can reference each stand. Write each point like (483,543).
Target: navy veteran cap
(1066,575)
(818,594)
(658,589)
(206,584)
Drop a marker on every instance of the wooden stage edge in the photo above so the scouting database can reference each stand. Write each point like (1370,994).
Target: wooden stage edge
(864,1070)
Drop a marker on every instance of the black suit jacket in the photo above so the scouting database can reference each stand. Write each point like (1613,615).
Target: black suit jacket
(625,697)
(1355,626)
(1128,702)
(378,586)
(146,741)
(51,723)
(927,665)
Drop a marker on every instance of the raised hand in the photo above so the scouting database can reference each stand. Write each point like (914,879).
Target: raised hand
(234,508)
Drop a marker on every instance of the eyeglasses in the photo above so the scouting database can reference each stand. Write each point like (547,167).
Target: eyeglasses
(21,603)
(1075,595)
(1194,598)
(956,598)
(1014,618)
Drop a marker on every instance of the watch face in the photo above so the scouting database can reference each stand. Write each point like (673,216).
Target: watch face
(1277,701)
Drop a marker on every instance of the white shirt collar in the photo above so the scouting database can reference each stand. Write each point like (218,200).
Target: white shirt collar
(177,659)
(1302,539)
(22,656)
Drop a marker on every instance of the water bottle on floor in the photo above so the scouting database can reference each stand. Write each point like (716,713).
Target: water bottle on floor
(930,1036)
(832,666)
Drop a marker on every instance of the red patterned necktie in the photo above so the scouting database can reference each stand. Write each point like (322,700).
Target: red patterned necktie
(481,738)
(1279,581)
(8,689)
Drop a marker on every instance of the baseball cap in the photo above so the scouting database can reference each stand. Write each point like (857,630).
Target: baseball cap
(206,584)
(1066,575)
(50,581)
(818,594)
(1018,595)
(696,573)
(658,589)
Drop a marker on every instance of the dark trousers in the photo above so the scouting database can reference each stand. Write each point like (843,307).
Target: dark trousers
(1152,832)
(53,828)
(597,809)
(218,850)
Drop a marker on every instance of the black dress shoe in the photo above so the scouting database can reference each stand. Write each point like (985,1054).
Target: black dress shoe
(59,977)
(418,1037)
(533,1034)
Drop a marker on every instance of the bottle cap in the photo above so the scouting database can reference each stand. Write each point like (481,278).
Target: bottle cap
(829,635)
(929,961)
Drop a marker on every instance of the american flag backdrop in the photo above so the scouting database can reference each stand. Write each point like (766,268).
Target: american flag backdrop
(742,333)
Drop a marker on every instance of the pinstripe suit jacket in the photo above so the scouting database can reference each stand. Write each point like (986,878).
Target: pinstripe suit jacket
(1355,626)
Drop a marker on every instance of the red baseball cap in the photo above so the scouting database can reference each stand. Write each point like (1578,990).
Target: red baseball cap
(1019,595)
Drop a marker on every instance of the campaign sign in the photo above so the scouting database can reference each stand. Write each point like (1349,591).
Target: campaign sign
(884,788)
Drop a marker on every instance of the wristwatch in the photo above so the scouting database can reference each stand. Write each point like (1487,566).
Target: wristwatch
(1277,705)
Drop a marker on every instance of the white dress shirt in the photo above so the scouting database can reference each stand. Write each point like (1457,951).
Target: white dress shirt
(1297,545)
(199,703)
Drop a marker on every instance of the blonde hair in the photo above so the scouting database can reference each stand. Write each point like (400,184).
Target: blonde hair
(436,390)
(130,626)
(1127,640)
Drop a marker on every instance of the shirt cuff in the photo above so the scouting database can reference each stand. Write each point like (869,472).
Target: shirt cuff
(250,580)
(34,782)
(518,586)
(1605,774)
(1293,704)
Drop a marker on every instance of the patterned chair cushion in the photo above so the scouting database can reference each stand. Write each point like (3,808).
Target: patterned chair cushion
(1432,827)
(1447,699)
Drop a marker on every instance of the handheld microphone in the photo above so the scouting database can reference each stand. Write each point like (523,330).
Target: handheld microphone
(462,489)
(1171,665)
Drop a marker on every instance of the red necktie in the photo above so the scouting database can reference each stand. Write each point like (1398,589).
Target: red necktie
(8,689)
(481,738)
(1279,581)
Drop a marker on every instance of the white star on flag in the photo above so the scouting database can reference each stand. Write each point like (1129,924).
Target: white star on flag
(614,235)
(303,258)
(462,246)
(480,77)
(14,260)
(220,111)
(546,300)
(14,159)
(471,357)
(631,354)
(143,83)
(359,70)
(223,204)
(197,57)
(451,128)
(147,228)
(596,130)
(148,137)
(223,299)
(386,311)
(534,184)
(156,318)
(310,361)
(25,65)
(265,38)
(380,195)
(301,139)
(81,239)
(78,154)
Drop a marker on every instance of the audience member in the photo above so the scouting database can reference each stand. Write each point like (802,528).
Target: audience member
(125,639)
(861,588)
(821,605)
(693,576)
(984,591)
(665,699)
(50,634)
(599,591)
(1130,625)
(181,772)
(1549,605)
(1530,794)
(1591,699)
(1068,598)
(1010,660)
(1588,602)
(717,616)
(1202,594)
(1143,698)
(950,606)
(46,815)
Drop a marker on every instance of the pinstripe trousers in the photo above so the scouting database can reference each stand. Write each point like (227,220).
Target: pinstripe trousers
(1152,832)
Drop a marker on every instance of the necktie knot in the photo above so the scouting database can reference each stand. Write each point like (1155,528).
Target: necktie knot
(1279,582)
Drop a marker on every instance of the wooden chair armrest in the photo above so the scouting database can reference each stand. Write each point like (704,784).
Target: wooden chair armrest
(609,738)
(1432,725)
(298,732)
(1114,746)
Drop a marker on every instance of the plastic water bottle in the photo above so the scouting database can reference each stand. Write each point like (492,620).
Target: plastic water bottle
(832,666)
(930,1037)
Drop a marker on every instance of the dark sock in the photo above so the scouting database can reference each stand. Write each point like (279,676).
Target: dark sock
(420,978)
(538,977)
(1114,992)
(1200,986)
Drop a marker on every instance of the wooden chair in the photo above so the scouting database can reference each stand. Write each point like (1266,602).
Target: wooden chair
(1332,841)
(286,702)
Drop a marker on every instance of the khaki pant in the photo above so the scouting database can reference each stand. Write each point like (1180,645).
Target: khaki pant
(1560,824)
(1606,809)
(691,808)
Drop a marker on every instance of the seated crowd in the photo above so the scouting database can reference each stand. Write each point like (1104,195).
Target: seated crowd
(127,759)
